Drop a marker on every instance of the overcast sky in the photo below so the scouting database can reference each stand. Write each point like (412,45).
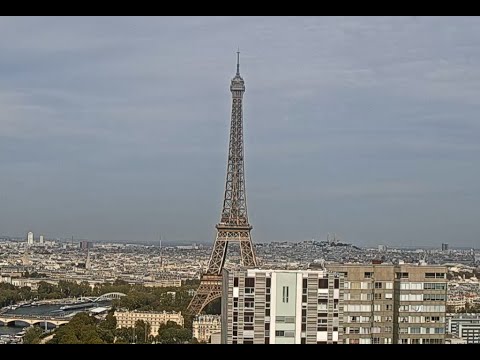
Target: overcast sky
(117,128)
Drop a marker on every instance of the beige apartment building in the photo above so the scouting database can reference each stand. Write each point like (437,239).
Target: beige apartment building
(203,326)
(155,319)
(390,304)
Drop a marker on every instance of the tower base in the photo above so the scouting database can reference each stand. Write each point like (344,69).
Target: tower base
(210,289)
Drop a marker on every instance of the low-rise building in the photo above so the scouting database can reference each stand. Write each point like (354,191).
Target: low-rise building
(465,326)
(155,319)
(204,326)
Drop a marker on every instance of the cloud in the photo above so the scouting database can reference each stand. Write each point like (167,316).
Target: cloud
(128,119)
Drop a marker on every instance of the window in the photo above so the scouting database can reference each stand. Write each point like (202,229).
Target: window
(285,294)
(376,340)
(336,283)
(322,328)
(378,296)
(404,341)
(289,319)
(249,304)
(323,283)
(267,298)
(355,285)
(388,296)
(279,333)
(389,285)
(269,282)
(388,329)
(439,330)
(267,312)
(434,286)
(414,330)
(435,275)
(402,275)
(434,297)
(368,275)
(304,298)
(249,282)
(235,281)
(378,285)
(414,341)
(303,340)
(377,318)
(267,326)
(403,308)
(304,283)
(267,340)
(367,297)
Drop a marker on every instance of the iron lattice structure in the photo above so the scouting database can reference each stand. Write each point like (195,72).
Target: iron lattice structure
(233,225)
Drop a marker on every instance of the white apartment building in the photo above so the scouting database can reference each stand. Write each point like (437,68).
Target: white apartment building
(281,307)
(30,238)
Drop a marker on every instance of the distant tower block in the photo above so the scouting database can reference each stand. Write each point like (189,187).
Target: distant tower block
(233,225)
(444,247)
(30,238)
(41,239)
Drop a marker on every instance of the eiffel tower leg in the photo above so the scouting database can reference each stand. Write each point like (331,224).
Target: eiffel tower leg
(210,289)
(247,253)
(217,259)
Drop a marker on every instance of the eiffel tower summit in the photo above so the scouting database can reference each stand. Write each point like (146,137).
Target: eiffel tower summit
(233,225)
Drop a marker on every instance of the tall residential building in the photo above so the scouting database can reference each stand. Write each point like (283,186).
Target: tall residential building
(465,326)
(155,319)
(41,241)
(86,244)
(444,247)
(204,326)
(30,238)
(387,304)
(281,307)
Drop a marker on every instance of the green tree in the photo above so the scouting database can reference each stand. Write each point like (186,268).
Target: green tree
(172,333)
(32,335)
(142,332)
(81,329)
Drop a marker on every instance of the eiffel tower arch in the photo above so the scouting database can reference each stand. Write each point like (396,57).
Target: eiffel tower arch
(233,226)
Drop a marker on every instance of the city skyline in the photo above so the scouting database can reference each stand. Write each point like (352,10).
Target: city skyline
(117,128)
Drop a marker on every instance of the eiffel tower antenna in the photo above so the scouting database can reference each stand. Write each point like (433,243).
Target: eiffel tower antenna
(233,225)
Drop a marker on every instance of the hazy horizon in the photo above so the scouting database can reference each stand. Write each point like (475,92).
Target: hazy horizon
(117,127)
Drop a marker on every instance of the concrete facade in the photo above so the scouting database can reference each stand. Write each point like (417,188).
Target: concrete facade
(390,304)
(281,307)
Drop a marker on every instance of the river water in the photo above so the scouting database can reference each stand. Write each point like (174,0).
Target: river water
(47,310)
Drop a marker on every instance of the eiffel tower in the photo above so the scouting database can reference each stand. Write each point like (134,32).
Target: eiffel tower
(233,225)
